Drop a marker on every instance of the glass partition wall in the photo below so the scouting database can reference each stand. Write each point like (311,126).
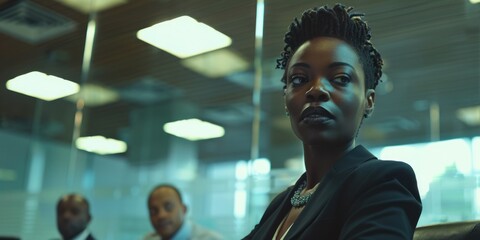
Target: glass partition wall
(128,91)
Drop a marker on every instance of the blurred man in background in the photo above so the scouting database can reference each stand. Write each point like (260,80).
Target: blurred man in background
(167,216)
(73,217)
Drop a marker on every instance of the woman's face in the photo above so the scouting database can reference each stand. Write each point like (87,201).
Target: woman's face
(325,94)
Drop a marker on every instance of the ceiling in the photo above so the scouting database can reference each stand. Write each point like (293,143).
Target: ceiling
(431,50)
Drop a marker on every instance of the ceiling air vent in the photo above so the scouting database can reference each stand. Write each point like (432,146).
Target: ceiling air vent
(32,23)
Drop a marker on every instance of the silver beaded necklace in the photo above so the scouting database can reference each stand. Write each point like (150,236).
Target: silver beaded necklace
(298,200)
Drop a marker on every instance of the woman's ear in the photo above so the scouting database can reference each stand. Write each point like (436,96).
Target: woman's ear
(369,102)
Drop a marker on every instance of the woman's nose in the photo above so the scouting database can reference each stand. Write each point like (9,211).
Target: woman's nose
(317,90)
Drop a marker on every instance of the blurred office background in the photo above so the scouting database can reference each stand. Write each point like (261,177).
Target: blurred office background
(127,90)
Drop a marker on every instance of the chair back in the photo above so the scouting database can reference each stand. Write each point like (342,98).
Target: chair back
(468,230)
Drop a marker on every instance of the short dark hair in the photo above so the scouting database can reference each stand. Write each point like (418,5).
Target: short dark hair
(164,185)
(337,22)
(71,195)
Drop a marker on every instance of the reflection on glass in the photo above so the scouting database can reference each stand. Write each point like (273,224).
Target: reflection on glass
(129,90)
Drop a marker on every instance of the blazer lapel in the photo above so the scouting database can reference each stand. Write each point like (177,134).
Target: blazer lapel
(327,187)
(271,224)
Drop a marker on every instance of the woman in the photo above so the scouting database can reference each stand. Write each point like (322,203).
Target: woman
(331,71)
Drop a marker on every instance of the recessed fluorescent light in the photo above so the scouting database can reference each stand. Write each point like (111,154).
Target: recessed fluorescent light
(101,145)
(194,129)
(94,95)
(216,64)
(88,6)
(42,86)
(184,37)
(469,115)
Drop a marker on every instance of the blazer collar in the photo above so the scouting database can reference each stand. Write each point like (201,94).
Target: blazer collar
(327,187)
(352,159)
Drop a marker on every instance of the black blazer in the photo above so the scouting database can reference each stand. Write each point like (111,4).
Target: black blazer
(361,197)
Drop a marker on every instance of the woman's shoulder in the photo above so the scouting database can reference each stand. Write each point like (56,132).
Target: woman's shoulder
(379,171)
(387,166)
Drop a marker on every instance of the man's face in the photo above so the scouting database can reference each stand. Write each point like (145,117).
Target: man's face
(72,216)
(166,212)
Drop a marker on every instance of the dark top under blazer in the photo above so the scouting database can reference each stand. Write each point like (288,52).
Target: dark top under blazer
(361,197)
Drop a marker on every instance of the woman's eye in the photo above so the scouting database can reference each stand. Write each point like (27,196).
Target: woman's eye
(342,80)
(297,80)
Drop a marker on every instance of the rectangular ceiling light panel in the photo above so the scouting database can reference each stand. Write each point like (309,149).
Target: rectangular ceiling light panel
(42,86)
(194,129)
(101,145)
(184,37)
(89,6)
(217,63)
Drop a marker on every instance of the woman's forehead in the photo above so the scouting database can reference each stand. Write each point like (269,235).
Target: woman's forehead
(325,49)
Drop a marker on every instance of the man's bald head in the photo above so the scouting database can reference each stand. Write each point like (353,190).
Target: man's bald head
(73,215)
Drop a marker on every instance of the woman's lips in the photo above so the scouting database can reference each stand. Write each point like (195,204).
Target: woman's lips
(316,115)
